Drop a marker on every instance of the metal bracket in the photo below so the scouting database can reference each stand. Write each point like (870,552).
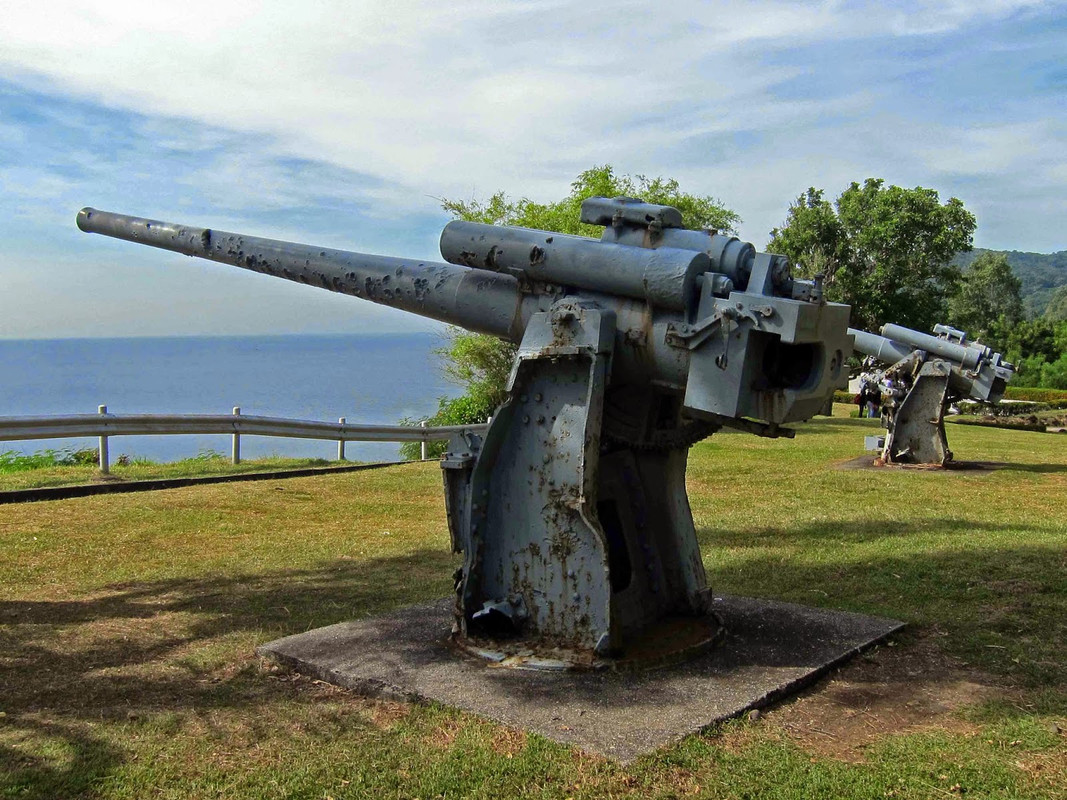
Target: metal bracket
(768,430)
(690,337)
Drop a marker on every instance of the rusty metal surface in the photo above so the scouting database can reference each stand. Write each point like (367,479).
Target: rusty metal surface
(479,300)
(917,435)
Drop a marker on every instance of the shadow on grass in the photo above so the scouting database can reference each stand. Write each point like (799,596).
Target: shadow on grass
(837,425)
(131,653)
(851,532)
(35,775)
(1037,468)
(1003,609)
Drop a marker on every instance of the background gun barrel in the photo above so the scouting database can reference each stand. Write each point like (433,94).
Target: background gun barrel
(885,350)
(665,278)
(479,300)
(967,357)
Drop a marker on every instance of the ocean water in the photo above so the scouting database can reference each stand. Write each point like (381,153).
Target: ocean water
(371,379)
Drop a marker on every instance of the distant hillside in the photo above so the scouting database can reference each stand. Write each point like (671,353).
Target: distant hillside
(1041,273)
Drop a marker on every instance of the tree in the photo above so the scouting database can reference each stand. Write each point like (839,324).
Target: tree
(480,364)
(563,215)
(1054,373)
(988,302)
(1056,310)
(1038,348)
(1035,337)
(884,250)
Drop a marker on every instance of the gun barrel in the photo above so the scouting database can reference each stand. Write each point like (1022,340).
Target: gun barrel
(967,356)
(476,299)
(885,350)
(665,278)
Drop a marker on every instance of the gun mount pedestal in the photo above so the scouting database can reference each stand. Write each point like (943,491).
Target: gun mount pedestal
(578,534)
(571,514)
(917,432)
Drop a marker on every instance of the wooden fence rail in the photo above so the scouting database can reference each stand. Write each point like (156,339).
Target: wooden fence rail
(105,425)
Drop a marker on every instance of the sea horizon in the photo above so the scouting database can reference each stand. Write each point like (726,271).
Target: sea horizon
(375,378)
(273,335)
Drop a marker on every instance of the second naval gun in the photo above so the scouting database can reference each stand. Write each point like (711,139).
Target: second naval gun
(571,511)
(924,374)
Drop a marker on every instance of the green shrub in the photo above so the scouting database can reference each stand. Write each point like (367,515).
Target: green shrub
(1054,374)
(14,461)
(1035,395)
(463,410)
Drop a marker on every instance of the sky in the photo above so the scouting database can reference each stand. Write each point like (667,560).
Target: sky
(344,124)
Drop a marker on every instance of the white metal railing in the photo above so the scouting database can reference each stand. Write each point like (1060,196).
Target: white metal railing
(105,425)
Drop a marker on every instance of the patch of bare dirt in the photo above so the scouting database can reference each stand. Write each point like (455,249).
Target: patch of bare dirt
(444,735)
(509,742)
(105,477)
(876,463)
(891,690)
(387,713)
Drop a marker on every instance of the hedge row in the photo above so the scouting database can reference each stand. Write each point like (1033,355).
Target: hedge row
(1035,395)
(1051,398)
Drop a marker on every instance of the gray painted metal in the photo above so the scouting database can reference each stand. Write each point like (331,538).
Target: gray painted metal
(666,277)
(729,256)
(102,450)
(918,437)
(617,211)
(967,357)
(235,449)
(924,375)
(570,509)
(878,347)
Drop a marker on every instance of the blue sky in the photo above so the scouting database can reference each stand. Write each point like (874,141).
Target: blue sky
(342,123)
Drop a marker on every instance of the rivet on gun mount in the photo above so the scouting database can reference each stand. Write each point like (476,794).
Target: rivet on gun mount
(925,374)
(571,513)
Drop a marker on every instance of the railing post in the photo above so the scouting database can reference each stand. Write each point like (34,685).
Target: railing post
(105,465)
(424,442)
(235,456)
(341,443)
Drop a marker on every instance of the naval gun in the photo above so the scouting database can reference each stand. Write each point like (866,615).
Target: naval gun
(570,512)
(924,375)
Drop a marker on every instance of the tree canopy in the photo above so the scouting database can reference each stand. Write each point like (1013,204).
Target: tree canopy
(884,250)
(987,303)
(480,364)
(562,216)
(1056,310)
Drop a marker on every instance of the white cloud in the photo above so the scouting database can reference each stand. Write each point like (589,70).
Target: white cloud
(436,93)
(276,105)
(996,149)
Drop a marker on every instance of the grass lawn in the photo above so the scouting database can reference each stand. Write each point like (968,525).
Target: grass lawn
(128,624)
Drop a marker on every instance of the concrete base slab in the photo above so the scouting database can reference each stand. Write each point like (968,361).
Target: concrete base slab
(771,649)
